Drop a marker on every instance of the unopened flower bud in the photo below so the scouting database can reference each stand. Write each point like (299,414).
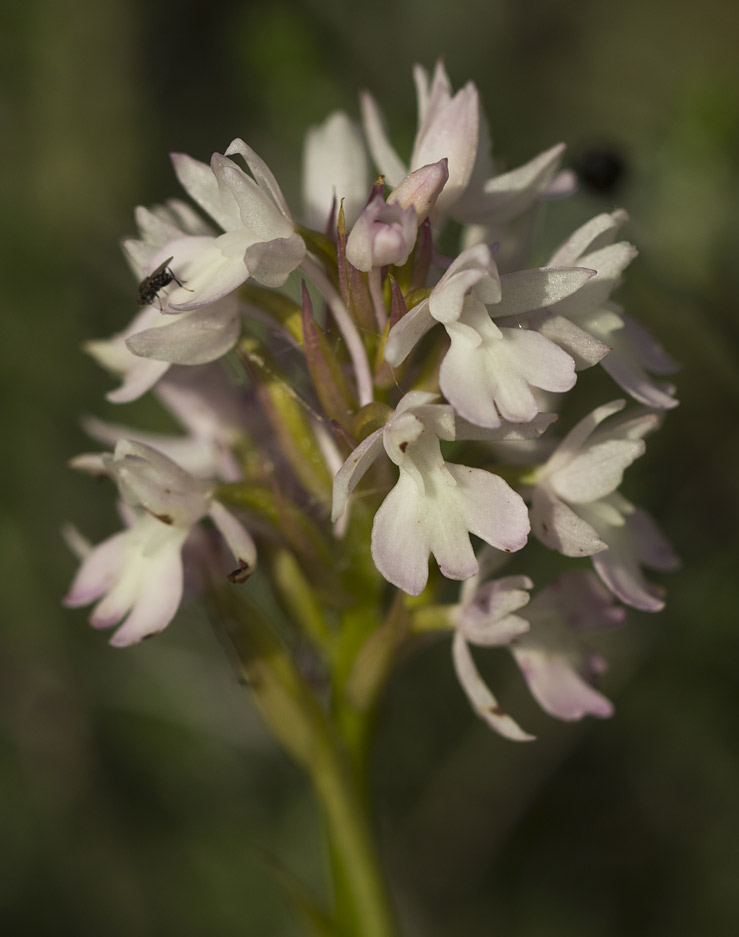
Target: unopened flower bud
(420,189)
(384,234)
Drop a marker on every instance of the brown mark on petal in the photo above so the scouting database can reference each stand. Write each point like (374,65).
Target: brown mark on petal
(165,518)
(403,446)
(496,710)
(241,574)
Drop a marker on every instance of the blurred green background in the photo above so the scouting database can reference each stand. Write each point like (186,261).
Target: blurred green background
(138,791)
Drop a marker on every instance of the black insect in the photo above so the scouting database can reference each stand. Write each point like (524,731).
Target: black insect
(150,286)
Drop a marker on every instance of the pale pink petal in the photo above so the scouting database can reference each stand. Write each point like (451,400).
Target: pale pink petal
(585,349)
(258,213)
(597,470)
(156,227)
(335,169)
(143,542)
(474,269)
(158,599)
(540,362)
(78,544)
(498,633)
(581,601)
(436,508)
(383,154)
(351,472)
(204,335)
(139,254)
(137,374)
(202,186)
(562,185)
(514,432)
(448,539)
(578,435)
(594,234)
(652,547)
(484,168)
(468,380)
(490,508)
(94,463)
(422,82)
(271,262)
(487,376)
(510,194)
(631,377)
(400,546)
(648,350)
(536,288)
(487,619)
(432,93)
(618,567)
(112,353)
(185,218)
(138,380)
(437,417)
(482,700)
(609,262)
(239,540)
(98,571)
(424,400)
(558,688)
(450,132)
(407,332)
(560,529)
(262,174)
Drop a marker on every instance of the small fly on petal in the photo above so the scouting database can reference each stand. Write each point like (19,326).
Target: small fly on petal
(150,286)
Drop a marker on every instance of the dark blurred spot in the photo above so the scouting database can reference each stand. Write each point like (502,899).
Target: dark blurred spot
(600,169)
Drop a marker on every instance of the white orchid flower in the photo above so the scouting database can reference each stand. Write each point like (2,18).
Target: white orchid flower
(259,239)
(485,617)
(136,576)
(594,329)
(545,638)
(577,511)
(435,505)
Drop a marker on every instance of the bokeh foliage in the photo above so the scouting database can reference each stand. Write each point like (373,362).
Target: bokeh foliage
(138,792)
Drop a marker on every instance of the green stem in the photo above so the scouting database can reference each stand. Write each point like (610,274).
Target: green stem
(361,899)
(290,708)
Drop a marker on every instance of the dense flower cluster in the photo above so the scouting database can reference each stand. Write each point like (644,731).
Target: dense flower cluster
(359,334)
